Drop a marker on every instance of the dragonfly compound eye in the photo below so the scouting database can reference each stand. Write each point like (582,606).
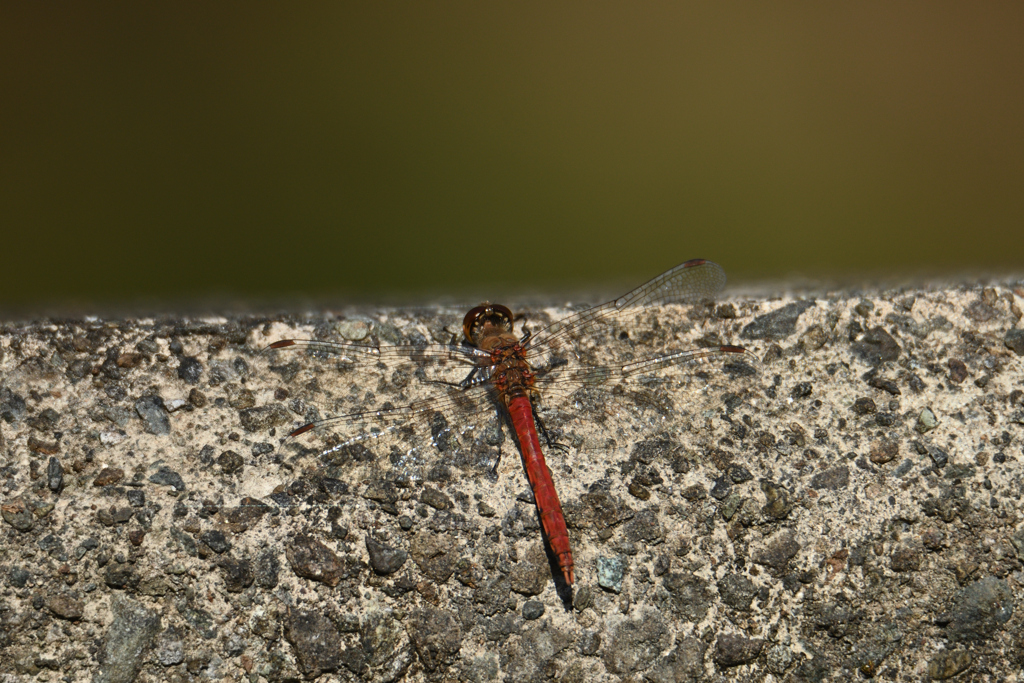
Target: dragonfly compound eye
(486,319)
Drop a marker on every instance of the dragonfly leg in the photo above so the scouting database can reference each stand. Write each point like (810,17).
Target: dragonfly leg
(468,381)
(493,473)
(551,443)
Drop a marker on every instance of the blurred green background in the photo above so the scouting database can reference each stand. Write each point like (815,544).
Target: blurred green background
(182,151)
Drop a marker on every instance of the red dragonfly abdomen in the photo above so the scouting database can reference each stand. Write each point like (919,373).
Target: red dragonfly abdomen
(544,493)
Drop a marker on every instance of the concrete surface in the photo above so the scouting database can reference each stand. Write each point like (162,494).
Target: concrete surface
(852,510)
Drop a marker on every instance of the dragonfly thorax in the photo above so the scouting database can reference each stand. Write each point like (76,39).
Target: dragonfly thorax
(511,374)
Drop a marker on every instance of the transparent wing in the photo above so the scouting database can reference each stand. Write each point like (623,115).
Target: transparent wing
(652,390)
(642,338)
(439,357)
(393,412)
(680,361)
(613,373)
(689,282)
(633,427)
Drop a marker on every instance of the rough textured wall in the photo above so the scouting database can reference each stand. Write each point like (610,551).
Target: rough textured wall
(851,510)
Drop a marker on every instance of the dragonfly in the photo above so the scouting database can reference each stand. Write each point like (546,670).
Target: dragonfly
(449,401)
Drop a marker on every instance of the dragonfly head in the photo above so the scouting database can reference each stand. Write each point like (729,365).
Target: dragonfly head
(486,320)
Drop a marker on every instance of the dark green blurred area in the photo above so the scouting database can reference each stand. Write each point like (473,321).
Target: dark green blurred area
(363,150)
